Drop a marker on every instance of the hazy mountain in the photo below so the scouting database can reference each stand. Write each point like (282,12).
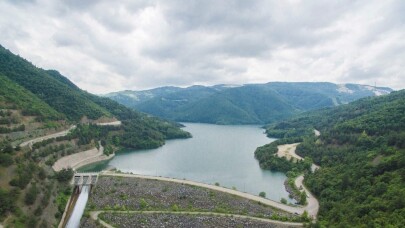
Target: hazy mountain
(242,104)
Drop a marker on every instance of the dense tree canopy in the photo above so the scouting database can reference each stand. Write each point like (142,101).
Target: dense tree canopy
(40,92)
(361,151)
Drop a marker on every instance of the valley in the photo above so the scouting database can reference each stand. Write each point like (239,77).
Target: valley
(202,114)
(193,173)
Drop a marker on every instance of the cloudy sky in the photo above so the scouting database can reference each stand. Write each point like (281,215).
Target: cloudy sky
(106,46)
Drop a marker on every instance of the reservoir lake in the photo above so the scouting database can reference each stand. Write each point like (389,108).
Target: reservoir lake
(216,154)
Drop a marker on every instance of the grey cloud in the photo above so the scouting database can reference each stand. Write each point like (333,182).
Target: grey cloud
(248,29)
(143,44)
(118,17)
(21,2)
(80,4)
(362,74)
(66,39)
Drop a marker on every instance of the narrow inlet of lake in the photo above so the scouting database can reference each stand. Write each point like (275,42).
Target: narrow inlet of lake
(216,154)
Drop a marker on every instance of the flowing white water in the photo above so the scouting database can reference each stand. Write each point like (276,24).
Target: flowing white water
(74,220)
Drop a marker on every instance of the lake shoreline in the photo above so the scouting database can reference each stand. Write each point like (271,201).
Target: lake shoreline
(80,159)
(223,154)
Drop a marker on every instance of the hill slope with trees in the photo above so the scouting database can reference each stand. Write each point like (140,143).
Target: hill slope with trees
(67,99)
(246,104)
(361,150)
(36,102)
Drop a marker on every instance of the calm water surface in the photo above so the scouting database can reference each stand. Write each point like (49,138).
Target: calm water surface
(216,153)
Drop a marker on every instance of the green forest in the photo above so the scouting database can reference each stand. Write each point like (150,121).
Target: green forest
(36,102)
(244,104)
(361,151)
(46,93)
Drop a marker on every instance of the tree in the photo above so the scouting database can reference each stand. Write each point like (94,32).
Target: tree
(64,175)
(303,198)
(8,148)
(6,160)
(7,201)
(262,194)
(283,200)
(31,195)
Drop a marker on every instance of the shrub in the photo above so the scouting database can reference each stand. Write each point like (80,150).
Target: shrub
(262,194)
(64,175)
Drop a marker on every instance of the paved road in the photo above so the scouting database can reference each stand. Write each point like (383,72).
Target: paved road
(63,133)
(313,205)
(289,149)
(115,123)
(42,138)
(94,215)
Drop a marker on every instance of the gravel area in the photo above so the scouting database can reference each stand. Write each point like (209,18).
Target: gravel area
(89,223)
(180,220)
(134,194)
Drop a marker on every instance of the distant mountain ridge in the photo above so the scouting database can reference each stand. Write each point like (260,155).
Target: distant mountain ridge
(242,104)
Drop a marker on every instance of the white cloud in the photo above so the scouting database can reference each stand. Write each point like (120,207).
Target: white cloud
(106,46)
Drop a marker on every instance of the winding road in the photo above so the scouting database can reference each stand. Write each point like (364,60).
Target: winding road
(313,205)
(78,159)
(288,151)
(63,133)
(42,138)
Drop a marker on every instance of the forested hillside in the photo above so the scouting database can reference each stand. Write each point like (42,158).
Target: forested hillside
(34,103)
(245,104)
(62,97)
(361,151)
(13,96)
(66,98)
